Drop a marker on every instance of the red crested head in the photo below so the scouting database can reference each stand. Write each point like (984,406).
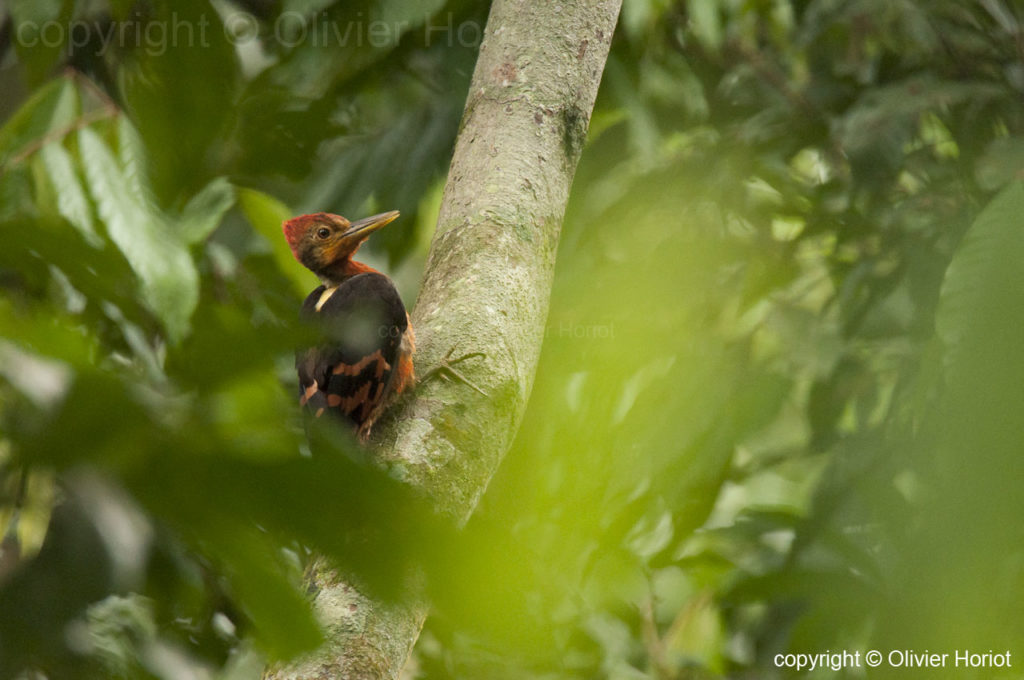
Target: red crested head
(324,243)
(297,229)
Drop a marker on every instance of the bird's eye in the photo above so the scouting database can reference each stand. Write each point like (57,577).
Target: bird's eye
(323,232)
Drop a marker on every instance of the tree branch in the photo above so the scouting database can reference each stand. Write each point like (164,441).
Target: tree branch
(486,289)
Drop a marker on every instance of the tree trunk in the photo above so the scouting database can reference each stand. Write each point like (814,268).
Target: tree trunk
(486,289)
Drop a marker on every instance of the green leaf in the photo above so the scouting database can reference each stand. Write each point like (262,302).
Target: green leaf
(312,67)
(266,213)
(283,621)
(72,202)
(39,46)
(648,537)
(707,24)
(51,108)
(168,277)
(981,291)
(131,151)
(16,194)
(697,633)
(205,210)
(33,247)
(639,16)
(183,125)
(36,11)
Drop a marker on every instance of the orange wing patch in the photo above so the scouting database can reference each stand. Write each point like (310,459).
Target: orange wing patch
(359,398)
(406,375)
(357,368)
(308,394)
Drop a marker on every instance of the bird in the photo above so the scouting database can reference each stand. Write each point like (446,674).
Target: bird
(363,357)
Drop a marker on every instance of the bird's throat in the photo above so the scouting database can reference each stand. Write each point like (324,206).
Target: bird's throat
(336,274)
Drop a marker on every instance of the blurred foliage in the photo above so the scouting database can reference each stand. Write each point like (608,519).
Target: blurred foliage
(778,407)
(779,402)
(159,499)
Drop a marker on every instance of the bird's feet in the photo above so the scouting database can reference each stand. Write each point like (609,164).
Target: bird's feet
(446,369)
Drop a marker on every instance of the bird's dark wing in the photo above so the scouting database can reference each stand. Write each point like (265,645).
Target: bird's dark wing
(362,324)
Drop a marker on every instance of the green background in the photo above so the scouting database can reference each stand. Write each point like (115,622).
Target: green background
(780,403)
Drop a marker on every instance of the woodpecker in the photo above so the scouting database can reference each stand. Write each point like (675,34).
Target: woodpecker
(363,359)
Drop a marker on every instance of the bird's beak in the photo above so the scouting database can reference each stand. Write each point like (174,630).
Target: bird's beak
(366,226)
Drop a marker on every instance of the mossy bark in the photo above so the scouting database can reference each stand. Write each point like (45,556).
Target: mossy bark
(486,289)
